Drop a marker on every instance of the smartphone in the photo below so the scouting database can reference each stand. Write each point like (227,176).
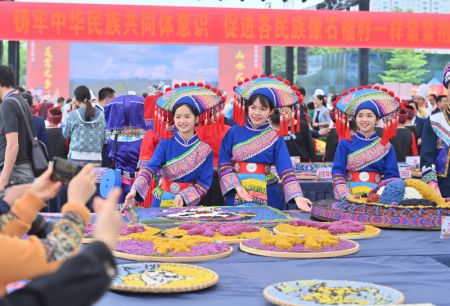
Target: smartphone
(64,170)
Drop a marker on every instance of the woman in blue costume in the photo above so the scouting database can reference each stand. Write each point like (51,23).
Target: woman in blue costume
(364,159)
(125,128)
(435,152)
(250,148)
(185,163)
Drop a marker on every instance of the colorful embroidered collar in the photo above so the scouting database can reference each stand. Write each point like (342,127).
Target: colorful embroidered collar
(249,125)
(441,126)
(183,142)
(363,137)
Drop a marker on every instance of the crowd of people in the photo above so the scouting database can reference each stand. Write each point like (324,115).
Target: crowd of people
(177,148)
(81,129)
(46,255)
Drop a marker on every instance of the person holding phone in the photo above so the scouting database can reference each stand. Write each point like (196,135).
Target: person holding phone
(70,285)
(31,257)
(184,161)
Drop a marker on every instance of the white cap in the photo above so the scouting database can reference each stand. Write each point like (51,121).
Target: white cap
(422,91)
(318,92)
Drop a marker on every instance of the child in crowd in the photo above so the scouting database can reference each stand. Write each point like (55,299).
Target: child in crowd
(27,258)
(70,285)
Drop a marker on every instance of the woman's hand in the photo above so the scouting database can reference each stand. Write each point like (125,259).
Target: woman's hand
(43,187)
(129,200)
(178,201)
(435,186)
(82,187)
(243,194)
(107,224)
(303,204)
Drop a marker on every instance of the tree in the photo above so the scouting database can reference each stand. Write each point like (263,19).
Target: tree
(404,67)
(23,63)
(23,60)
(326,50)
(279,61)
(4,59)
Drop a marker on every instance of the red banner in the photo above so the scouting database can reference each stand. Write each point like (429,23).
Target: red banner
(125,23)
(237,63)
(48,68)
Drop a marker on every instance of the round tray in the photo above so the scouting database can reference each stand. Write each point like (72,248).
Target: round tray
(90,239)
(227,241)
(293,293)
(369,232)
(327,254)
(161,278)
(173,258)
(256,215)
(233,240)
(325,210)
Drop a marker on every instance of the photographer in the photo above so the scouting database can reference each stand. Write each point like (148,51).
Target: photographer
(83,279)
(37,256)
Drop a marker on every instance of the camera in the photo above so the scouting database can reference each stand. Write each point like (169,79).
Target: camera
(64,170)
